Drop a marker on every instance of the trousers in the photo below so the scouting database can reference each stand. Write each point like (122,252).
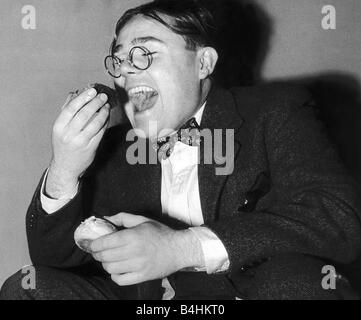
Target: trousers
(286,277)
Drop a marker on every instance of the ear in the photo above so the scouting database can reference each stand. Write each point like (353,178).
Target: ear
(208,58)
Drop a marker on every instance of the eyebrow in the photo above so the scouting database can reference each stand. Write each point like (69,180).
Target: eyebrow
(139,40)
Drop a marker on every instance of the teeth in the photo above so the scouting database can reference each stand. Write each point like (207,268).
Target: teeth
(140,90)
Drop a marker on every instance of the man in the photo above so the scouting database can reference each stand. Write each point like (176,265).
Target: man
(262,229)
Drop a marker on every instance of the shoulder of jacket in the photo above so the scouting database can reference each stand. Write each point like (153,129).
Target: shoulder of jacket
(269,97)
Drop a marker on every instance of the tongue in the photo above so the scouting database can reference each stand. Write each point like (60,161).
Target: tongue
(144,100)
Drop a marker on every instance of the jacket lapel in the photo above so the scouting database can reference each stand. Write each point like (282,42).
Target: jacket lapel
(220,113)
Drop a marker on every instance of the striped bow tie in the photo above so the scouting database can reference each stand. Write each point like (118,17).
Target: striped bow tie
(188,134)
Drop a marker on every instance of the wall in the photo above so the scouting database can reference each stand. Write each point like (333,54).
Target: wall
(301,46)
(38,67)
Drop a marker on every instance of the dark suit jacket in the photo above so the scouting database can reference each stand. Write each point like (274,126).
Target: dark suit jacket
(288,193)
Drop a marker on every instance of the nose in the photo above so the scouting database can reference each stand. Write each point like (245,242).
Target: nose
(127,68)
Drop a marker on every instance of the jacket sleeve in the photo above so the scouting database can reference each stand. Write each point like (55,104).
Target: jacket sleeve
(51,237)
(316,207)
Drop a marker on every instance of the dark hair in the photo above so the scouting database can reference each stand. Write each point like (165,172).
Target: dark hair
(189,18)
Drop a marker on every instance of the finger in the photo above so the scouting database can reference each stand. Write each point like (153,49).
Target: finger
(127,220)
(74,105)
(110,241)
(98,137)
(114,255)
(121,267)
(127,279)
(70,97)
(81,119)
(74,94)
(96,124)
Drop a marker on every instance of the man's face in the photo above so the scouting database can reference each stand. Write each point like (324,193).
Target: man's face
(168,92)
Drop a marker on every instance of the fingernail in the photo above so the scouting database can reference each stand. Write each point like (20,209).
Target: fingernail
(92,92)
(103,97)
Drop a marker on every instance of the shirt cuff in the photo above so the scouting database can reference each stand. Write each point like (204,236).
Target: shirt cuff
(52,205)
(215,254)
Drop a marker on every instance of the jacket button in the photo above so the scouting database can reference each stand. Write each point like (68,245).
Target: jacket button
(242,207)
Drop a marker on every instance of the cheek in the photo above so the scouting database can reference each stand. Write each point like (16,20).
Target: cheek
(166,85)
(175,71)
(176,84)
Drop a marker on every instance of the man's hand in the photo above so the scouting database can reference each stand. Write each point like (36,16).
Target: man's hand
(77,133)
(146,250)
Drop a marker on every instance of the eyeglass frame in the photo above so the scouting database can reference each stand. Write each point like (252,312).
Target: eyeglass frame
(148,53)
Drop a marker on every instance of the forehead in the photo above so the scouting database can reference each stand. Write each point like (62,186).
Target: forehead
(143,27)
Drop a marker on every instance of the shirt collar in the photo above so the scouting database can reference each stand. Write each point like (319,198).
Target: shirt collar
(198,115)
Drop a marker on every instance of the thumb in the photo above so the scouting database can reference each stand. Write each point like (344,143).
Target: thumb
(127,220)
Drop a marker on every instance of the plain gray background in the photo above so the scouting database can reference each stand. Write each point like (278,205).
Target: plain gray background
(66,50)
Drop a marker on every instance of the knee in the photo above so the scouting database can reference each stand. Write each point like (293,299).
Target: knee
(12,288)
(296,276)
(24,284)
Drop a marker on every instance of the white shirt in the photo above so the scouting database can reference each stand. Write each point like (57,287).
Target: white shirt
(180,199)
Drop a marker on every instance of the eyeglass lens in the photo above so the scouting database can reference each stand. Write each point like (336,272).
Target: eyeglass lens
(138,57)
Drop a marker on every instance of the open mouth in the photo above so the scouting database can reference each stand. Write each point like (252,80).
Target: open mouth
(143,98)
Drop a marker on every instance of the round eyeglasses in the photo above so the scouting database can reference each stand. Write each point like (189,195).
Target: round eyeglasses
(139,57)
